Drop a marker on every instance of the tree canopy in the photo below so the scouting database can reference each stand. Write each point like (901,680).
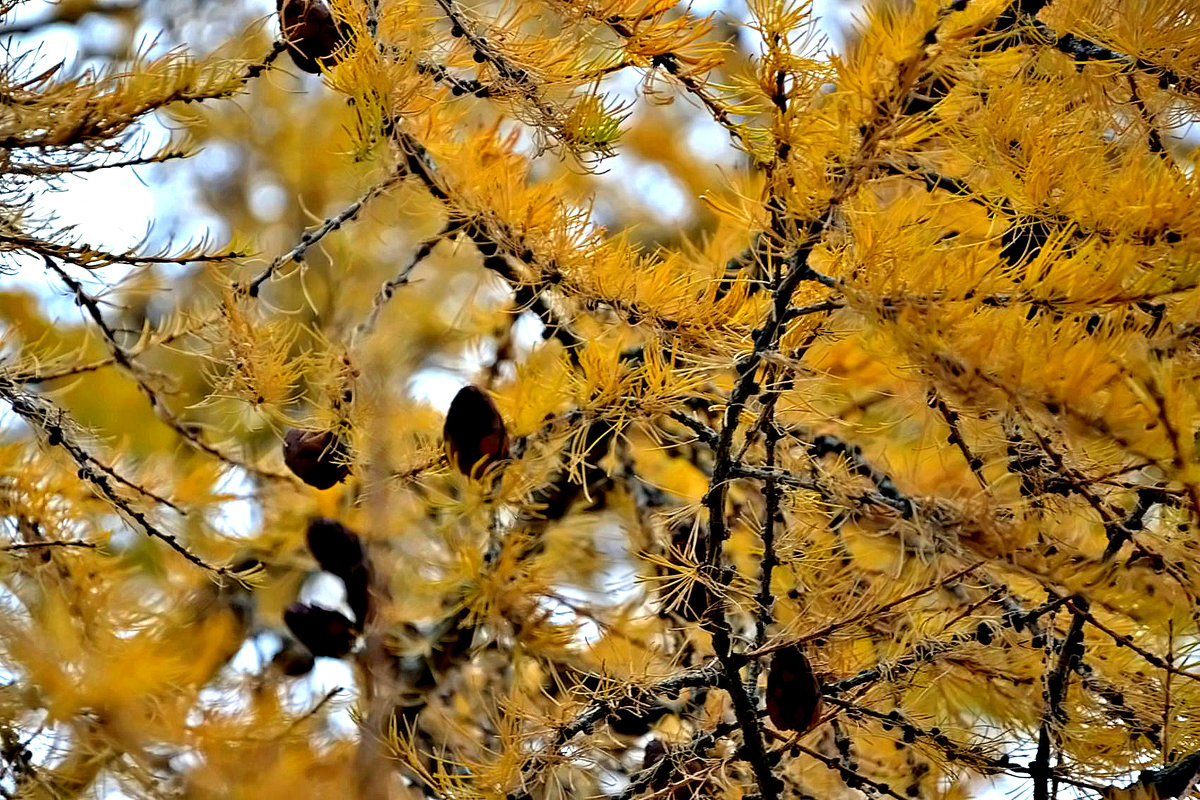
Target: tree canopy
(603,398)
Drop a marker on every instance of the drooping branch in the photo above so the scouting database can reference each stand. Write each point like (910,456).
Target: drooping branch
(53,423)
(311,237)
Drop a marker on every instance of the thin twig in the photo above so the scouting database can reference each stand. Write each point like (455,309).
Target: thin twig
(312,712)
(1125,641)
(50,543)
(1054,715)
(311,237)
(44,417)
(1155,140)
(390,286)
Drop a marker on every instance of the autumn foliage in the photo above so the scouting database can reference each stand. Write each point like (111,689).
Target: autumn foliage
(831,421)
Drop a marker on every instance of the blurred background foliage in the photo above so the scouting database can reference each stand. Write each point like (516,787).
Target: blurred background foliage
(972,450)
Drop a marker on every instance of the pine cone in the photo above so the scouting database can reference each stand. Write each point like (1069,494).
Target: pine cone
(339,551)
(793,691)
(474,432)
(323,631)
(315,38)
(319,458)
(335,547)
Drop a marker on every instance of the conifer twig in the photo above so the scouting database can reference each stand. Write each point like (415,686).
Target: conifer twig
(594,714)
(43,417)
(278,48)
(1124,641)
(311,237)
(923,652)
(36,377)
(136,371)
(312,712)
(951,418)
(1086,50)
(1053,714)
(771,500)
(661,772)
(389,287)
(88,257)
(875,611)
(50,543)
(853,778)
(485,52)
(1154,140)
(416,161)
(674,67)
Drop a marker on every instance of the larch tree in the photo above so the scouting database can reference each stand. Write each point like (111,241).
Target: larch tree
(824,421)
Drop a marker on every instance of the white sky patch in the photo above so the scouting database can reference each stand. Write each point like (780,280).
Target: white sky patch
(662,192)
(329,674)
(616,583)
(560,612)
(834,18)
(122,537)
(268,201)
(436,387)
(253,655)
(239,516)
(611,782)
(327,591)
(527,332)
(712,142)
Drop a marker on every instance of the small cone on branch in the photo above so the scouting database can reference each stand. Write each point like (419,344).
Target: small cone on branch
(319,458)
(323,631)
(315,38)
(654,752)
(339,551)
(335,547)
(793,691)
(474,433)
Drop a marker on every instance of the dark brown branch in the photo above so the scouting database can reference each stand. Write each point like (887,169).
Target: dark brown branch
(674,67)
(1124,641)
(390,286)
(1085,50)
(771,516)
(1154,140)
(969,756)
(311,237)
(951,418)
(1054,715)
(44,417)
(852,778)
